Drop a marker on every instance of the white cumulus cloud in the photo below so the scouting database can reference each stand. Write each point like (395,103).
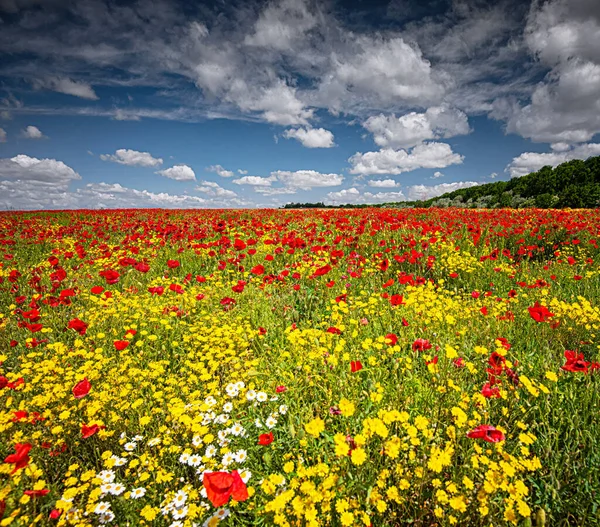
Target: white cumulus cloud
(132,158)
(219,170)
(382,183)
(311,137)
(307,179)
(178,173)
(532,161)
(32,132)
(390,161)
(255,181)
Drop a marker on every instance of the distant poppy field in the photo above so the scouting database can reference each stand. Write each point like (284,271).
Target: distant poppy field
(423,367)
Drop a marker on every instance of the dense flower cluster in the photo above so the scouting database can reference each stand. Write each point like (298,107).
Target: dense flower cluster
(366,367)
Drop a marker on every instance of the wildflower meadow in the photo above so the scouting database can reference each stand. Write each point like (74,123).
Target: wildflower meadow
(375,367)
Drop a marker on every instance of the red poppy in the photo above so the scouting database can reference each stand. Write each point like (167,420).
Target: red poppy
(81,389)
(397,300)
(89,431)
(220,486)
(487,433)
(459,362)
(21,456)
(97,289)
(575,362)
(258,269)
(280,389)
(393,339)
(158,290)
(489,391)
(334,331)
(36,493)
(265,439)
(78,325)
(355,366)
(111,276)
(176,288)
(421,345)
(321,271)
(19,415)
(142,267)
(539,313)
(120,345)
(172,264)
(55,514)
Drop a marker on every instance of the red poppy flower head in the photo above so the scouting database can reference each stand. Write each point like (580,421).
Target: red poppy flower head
(20,458)
(539,313)
(89,431)
(120,345)
(97,289)
(220,486)
(173,264)
(421,345)
(392,339)
(487,433)
(280,389)
(355,366)
(265,439)
(78,325)
(81,389)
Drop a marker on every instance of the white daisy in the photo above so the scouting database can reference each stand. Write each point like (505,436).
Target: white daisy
(119,461)
(271,422)
(180,512)
(261,397)
(130,447)
(251,395)
(241,456)
(257,423)
(154,442)
(227,407)
(106,517)
(245,475)
(237,429)
(184,458)
(106,476)
(227,459)
(138,438)
(194,460)
(240,385)
(102,507)
(283,409)
(210,401)
(117,489)
(138,493)
(210,451)
(180,498)
(196,441)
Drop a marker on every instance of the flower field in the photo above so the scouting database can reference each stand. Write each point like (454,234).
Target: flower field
(322,367)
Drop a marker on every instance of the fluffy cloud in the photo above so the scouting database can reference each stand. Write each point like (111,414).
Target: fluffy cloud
(347,195)
(437,174)
(311,137)
(2,135)
(390,161)
(219,170)
(255,181)
(384,197)
(25,168)
(68,86)
(178,173)
(382,183)
(424,192)
(532,161)
(564,35)
(413,128)
(214,189)
(307,179)
(132,158)
(32,132)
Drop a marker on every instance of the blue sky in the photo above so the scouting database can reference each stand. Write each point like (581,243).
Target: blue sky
(256,104)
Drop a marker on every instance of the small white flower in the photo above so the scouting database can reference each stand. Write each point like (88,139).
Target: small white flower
(176,524)
(154,442)
(117,489)
(222,419)
(240,385)
(130,447)
(119,461)
(180,498)
(237,429)
(210,401)
(196,441)
(102,507)
(106,476)
(222,514)
(257,423)
(180,512)
(245,475)
(261,397)
(251,395)
(275,398)
(138,493)
(271,422)
(106,488)
(194,460)
(227,407)
(184,458)
(138,438)
(241,456)
(123,435)
(283,409)
(222,434)
(210,451)
(106,517)
(227,459)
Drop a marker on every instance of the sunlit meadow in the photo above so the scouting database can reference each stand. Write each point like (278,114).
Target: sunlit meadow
(323,367)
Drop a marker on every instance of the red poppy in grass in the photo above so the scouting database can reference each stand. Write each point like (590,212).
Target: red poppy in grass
(239,245)
(176,288)
(397,300)
(34,328)
(220,486)
(334,331)
(484,310)
(487,433)
(13,343)
(111,276)
(489,391)
(120,345)
(258,269)
(433,361)
(3,382)
(389,283)
(321,271)
(172,264)
(158,290)
(20,415)
(575,362)
(36,493)
(55,514)
(421,345)
(89,431)
(21,456)
(459,362)
(280,389)
(97,290)
(265,439)
(496,362)
(78,325)
(393,339)
(142,267)
(81,389)
(355,366)
(405,322)
(539,313)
